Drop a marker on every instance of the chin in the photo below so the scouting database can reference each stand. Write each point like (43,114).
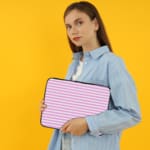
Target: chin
(77,44)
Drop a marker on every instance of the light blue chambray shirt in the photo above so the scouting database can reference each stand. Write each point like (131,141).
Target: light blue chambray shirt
(100,66)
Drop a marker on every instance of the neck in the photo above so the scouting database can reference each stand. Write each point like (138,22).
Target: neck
(91,45)
(89,48)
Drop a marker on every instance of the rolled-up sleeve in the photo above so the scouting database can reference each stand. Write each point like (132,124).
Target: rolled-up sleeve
(126,111)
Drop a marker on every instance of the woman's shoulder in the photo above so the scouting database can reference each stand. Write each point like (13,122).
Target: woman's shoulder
(112,58)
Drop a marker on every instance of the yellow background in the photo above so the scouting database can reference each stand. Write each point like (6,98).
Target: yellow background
(33,47)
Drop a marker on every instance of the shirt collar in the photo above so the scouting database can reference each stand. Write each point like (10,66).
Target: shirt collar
(93,53)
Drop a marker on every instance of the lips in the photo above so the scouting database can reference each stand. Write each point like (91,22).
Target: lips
(76,38)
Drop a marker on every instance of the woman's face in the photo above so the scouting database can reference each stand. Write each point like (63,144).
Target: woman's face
(80,28)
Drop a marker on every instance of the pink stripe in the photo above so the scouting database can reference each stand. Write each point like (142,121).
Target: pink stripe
(47,116)
(59,122)
(53,124)
(54,118)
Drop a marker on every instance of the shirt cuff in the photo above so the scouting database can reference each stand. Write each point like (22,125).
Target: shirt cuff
(92,128)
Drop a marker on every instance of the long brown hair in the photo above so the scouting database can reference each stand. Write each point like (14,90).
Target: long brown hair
(92,12)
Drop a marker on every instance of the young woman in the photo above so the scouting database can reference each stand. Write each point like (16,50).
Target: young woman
(94,62)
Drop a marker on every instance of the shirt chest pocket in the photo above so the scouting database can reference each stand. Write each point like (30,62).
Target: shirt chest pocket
(94,78)
(96,74)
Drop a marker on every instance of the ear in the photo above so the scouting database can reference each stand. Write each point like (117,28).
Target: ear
(96,25)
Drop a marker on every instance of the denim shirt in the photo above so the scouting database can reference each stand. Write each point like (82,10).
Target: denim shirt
(100,66)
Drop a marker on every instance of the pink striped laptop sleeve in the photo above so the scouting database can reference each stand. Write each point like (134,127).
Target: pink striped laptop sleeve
(67,99)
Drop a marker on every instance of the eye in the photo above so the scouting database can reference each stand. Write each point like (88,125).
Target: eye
(68,27)
(79,23)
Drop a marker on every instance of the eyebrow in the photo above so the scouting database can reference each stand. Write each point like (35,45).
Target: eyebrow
(76,20)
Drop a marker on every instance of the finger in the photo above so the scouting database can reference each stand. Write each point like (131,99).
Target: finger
(65,126)
(42,101)
(43,106)
(41,109)
(68,129)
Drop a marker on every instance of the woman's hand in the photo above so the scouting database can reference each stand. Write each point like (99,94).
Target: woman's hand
(42,106)
(77,126)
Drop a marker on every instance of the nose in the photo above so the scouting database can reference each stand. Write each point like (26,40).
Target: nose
(74,30)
